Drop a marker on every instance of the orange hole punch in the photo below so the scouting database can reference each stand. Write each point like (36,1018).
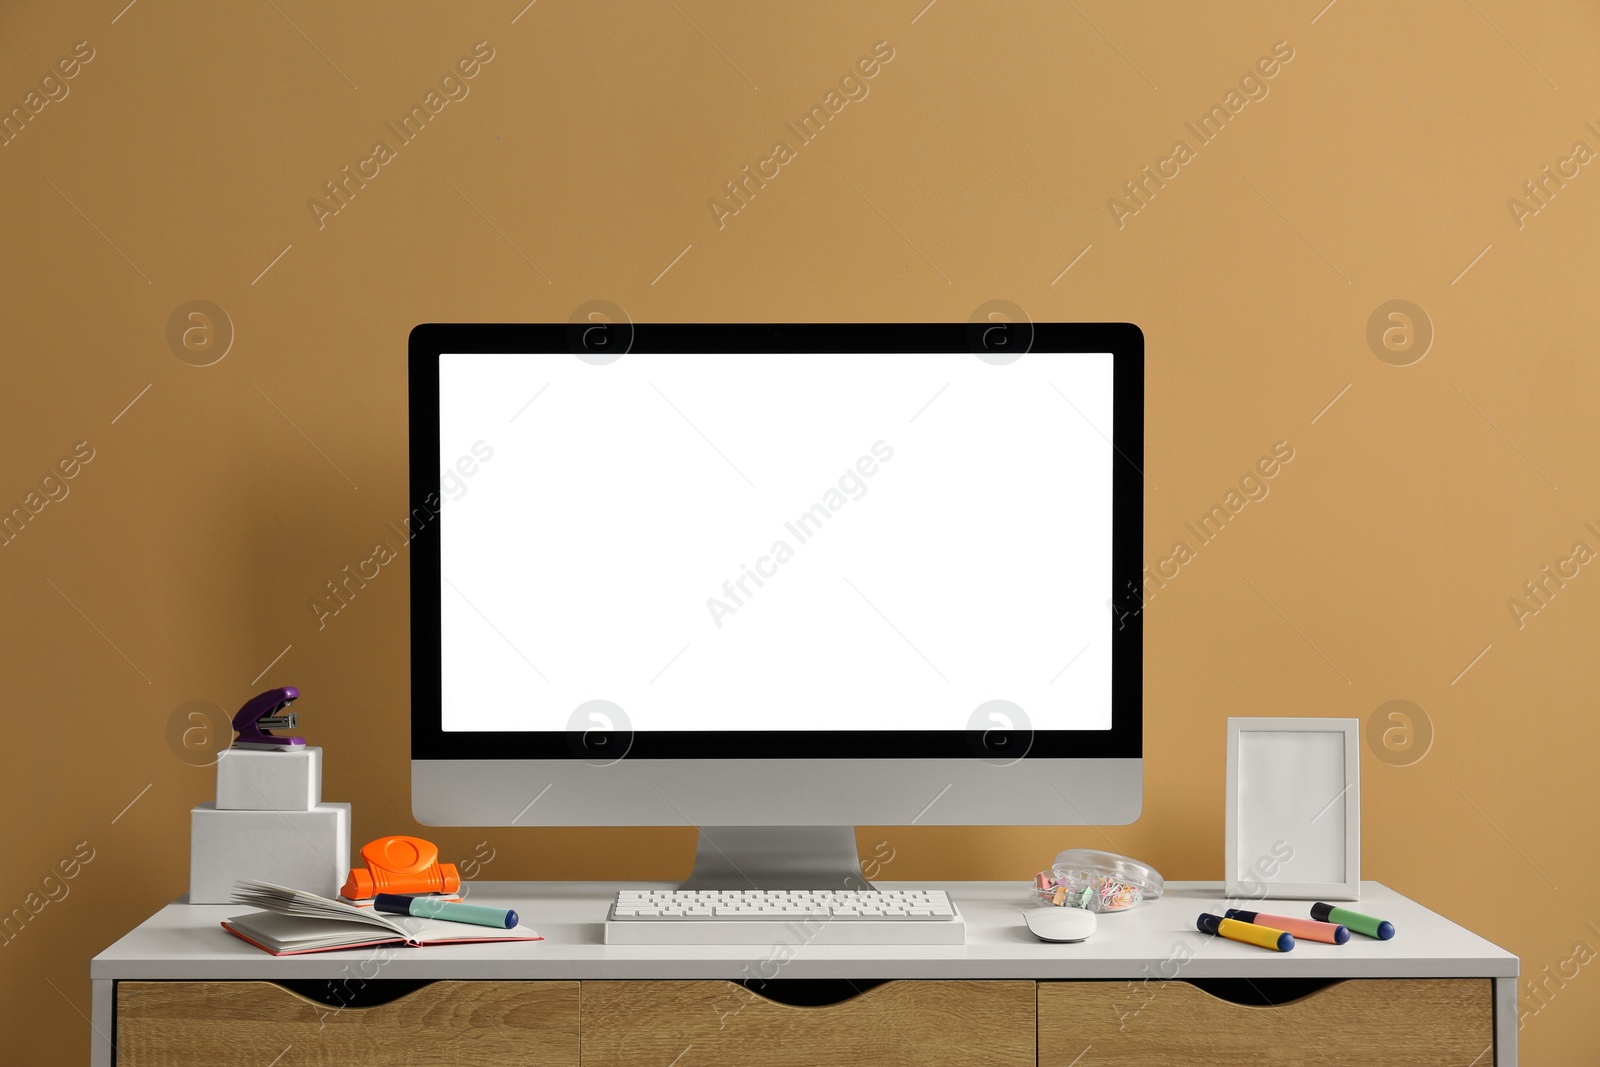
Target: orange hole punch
(401,865)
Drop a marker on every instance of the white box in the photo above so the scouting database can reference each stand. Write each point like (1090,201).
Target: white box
(256,780)
(307,850)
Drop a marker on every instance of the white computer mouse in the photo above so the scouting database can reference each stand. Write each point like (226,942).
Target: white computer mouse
(1061,924)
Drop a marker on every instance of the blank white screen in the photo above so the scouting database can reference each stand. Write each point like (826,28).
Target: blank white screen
(586,553)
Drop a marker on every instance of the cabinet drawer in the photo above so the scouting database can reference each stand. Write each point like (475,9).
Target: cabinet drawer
(897,1024)
(1404,1022)
(177,1024)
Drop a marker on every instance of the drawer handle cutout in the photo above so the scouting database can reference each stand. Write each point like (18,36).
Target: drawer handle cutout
(810,992)
(1262,992)
(353,993)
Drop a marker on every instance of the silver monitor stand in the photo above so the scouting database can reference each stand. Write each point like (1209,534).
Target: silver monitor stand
(776,857)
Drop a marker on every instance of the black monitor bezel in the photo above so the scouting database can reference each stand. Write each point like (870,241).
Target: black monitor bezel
(1125,738)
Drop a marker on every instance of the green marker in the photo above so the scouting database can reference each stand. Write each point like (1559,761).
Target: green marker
(427,908)
(1361,924)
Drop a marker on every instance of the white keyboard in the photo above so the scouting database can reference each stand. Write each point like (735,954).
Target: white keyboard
(793,917)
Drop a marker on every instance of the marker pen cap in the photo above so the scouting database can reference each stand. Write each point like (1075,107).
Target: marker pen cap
(1361,924)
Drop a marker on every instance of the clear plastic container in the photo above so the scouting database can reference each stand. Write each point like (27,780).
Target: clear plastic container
(1097,881)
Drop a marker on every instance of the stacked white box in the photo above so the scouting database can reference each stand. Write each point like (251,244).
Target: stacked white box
(307,850)
(258,780)
(268,823)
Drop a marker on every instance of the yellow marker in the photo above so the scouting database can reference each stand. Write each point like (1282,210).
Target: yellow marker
(1249,933)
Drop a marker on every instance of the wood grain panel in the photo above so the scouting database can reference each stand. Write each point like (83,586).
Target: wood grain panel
(445,1024)
(1382,1022)
(899,1024)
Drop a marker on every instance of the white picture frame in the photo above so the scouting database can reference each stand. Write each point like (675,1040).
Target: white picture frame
(1293,809)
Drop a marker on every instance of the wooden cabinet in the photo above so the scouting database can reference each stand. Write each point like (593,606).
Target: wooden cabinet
(1399,1022)
(1389,1022)
(176,991)
(442,1024)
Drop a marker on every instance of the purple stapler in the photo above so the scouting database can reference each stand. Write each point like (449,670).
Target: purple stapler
(260,714)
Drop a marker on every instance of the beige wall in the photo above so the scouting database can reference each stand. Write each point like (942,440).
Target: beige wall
(1378,167)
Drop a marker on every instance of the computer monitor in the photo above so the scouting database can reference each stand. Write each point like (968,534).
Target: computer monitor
(776,581)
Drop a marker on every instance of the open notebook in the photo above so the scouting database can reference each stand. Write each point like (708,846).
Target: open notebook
(294,921)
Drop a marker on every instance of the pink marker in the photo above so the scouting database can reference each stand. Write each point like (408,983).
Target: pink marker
(1306,929)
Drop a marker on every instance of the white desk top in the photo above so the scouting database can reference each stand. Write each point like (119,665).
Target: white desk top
(1153,940)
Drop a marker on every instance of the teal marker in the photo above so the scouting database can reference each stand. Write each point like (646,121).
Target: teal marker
(1361,924)
(429,908)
